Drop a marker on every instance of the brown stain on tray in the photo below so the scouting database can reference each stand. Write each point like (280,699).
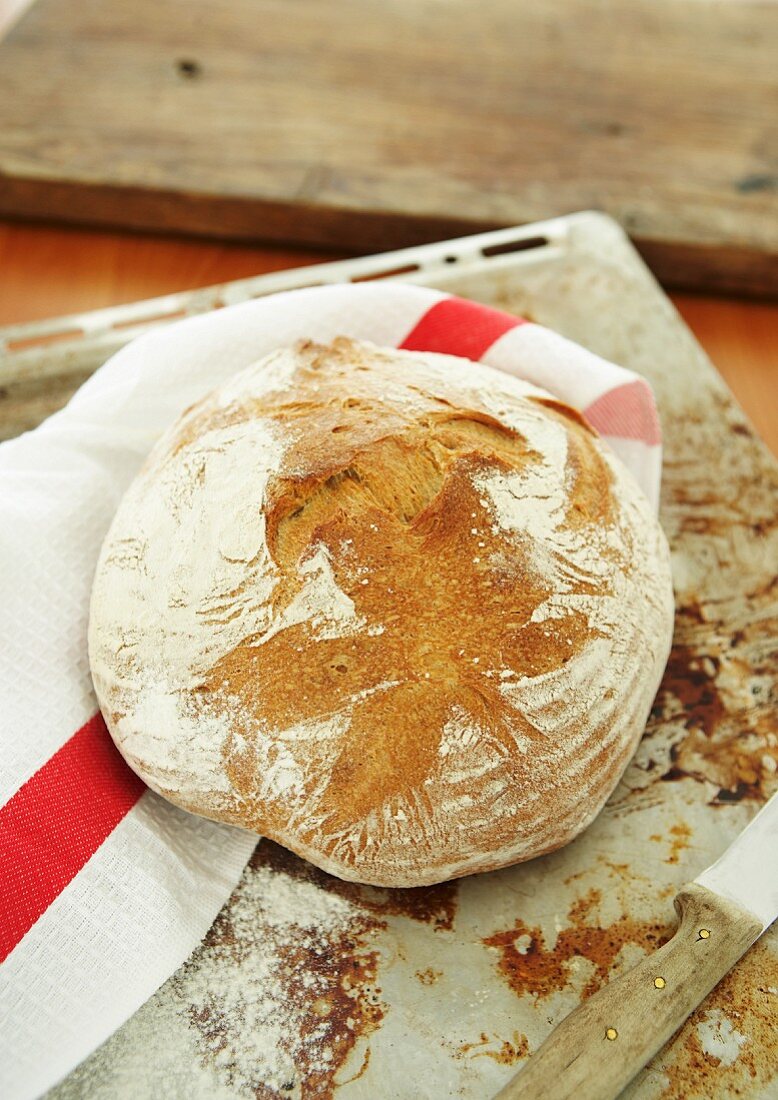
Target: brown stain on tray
(693,679)
(429,976)
(507,1052)
(530,966)
(721,688)
(748,998)
(739,773)
(680,833)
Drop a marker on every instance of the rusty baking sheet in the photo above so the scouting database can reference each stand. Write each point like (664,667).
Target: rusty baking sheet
(307,987)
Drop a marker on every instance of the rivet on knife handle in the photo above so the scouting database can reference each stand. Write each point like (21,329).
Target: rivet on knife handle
(597,1050)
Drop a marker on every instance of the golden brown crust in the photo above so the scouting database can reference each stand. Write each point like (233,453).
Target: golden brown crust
(479,546)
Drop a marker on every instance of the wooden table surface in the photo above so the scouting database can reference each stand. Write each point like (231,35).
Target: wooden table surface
(366,125)
(48,270)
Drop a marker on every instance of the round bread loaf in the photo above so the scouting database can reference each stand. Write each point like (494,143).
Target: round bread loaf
(403,614)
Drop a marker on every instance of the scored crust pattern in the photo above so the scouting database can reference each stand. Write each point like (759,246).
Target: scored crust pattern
(404,614)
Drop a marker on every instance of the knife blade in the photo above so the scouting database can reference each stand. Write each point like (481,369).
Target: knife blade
(747,872)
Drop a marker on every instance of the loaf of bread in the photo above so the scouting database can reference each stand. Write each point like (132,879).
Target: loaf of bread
(402,613)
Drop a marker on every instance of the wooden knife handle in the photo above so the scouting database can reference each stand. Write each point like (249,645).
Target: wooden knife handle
(597,1050)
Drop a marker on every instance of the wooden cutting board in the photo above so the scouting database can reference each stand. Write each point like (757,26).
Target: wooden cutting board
(367,124)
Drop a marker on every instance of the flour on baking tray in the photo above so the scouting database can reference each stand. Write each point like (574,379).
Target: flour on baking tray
(252,1033)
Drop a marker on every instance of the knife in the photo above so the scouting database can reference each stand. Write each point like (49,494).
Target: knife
(597,1050)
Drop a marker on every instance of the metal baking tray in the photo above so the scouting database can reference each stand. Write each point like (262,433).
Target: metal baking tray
(306,987)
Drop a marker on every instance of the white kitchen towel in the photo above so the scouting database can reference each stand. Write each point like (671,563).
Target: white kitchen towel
(105,889)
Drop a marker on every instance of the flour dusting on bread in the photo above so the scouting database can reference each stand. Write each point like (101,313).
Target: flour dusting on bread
(402,613)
